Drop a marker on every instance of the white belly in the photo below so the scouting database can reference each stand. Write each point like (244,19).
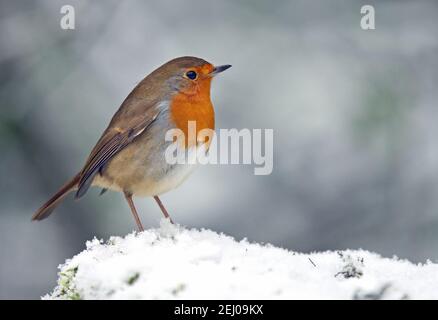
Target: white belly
(150,178)
(175,175)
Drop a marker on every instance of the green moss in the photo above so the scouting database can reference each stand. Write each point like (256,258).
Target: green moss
(132,279)
(66,288)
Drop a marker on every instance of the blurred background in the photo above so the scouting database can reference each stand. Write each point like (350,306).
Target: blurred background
(354,115)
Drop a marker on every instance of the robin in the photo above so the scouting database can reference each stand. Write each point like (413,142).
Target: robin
(129,156)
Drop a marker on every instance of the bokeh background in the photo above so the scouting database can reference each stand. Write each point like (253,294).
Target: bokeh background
(354,114)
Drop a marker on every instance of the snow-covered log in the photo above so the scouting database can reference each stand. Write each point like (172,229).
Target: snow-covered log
(173,262)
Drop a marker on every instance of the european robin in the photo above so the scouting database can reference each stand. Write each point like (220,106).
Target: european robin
(130,155)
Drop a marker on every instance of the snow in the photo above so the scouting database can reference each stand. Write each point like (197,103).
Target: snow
(173,262)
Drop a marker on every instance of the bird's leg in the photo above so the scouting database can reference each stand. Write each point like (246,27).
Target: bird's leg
(128,198)
(163,209)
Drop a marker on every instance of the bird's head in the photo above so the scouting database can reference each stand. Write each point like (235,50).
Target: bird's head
(189,75)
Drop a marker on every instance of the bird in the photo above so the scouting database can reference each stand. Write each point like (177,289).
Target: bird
(129,157)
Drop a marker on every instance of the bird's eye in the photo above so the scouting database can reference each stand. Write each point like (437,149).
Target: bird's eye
(191,75)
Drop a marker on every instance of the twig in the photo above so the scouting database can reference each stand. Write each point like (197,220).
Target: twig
(312,262)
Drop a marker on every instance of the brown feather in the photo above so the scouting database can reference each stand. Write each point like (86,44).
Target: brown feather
(47,208)
(121,132)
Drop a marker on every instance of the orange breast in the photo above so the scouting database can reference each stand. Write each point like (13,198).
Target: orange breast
(195,106)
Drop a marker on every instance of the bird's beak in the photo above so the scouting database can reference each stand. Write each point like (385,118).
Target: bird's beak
(219,69)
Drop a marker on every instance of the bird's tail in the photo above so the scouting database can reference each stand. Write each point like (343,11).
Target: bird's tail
(47,208)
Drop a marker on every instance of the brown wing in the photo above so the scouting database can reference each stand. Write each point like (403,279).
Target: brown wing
(132,119)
